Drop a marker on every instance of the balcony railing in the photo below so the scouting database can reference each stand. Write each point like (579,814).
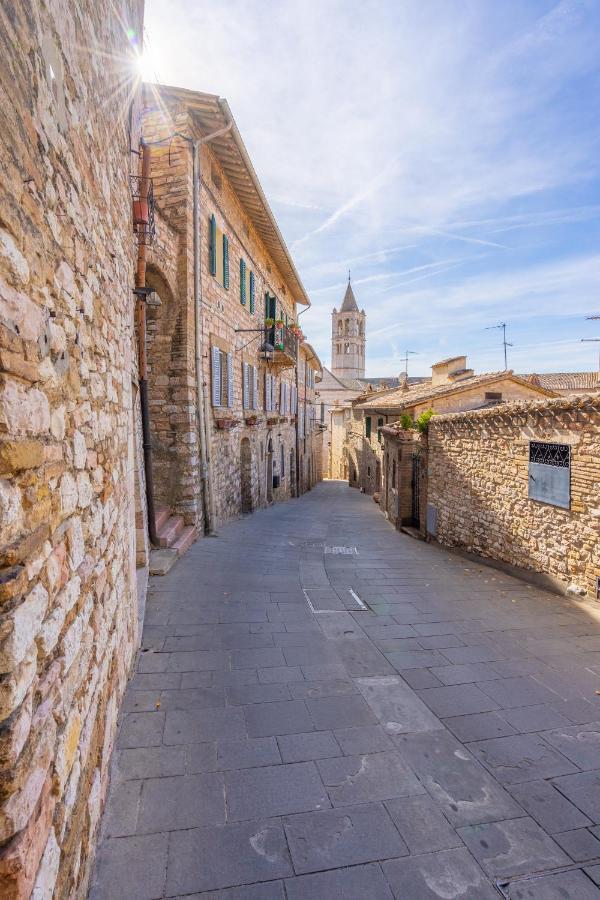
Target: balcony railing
(284,343)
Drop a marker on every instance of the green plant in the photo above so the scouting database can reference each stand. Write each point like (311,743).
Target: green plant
(406,422)
(422,422)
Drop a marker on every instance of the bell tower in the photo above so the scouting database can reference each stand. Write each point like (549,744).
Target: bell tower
(348,338)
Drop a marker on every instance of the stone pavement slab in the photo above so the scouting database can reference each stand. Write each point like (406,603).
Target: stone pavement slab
(335,838)
(417,749)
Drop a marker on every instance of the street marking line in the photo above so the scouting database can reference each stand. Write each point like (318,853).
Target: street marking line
(358,600)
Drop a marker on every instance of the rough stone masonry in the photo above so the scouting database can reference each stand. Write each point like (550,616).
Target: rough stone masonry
(67,570)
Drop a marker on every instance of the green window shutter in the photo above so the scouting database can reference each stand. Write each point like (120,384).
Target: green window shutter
(267,305)
(368,426)
(213,245)
(252,292)
(225,262)
(242,282)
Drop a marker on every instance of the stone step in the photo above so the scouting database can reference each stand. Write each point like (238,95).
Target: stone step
(185,540)
(170,531)
(161,514)
(161,561)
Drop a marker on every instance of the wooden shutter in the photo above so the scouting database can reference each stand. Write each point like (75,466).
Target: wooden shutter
(212,245)
(282,397)
(230,379)
(225,261)
(267,394)
(216,376)
(242,282)
(252,288)
(255,387)
(245,386)
(293,401)
(368,426)
(301,420)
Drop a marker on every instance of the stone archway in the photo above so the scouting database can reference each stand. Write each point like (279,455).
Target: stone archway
(246,475)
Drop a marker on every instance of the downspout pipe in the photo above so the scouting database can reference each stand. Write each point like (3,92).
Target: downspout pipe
(140,292)
(297,418)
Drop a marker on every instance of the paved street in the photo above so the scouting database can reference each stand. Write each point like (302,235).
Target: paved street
(324,708)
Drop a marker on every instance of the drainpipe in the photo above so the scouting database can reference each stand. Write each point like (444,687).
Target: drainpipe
(201,389)
(297,419)
(140,284)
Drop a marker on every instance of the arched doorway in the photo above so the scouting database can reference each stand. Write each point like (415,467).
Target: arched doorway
(246,475)
(269,470)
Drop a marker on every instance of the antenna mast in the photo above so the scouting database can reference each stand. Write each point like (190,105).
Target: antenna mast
(505,343)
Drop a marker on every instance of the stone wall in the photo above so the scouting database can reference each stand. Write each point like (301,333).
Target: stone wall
(68,610)
(400,450)
(478,483)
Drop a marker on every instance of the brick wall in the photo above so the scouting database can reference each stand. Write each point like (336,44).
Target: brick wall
(68,610)
(478,482)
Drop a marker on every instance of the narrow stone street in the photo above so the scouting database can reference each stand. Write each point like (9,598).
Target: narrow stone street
(324,708)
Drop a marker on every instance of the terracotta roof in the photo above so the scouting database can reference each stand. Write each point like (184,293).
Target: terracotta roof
(400,399)
(565,381)
(212,113)
(349,302)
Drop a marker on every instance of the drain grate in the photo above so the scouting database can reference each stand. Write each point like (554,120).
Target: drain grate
(342,551)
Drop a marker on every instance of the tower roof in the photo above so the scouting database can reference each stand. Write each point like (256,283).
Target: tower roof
(349,303)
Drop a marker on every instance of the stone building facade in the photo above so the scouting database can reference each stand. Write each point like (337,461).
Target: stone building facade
(255,400)
(68,436)
(473,483)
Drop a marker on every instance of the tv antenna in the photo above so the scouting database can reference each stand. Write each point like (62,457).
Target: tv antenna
(408,353)
(593,341)
(505,343)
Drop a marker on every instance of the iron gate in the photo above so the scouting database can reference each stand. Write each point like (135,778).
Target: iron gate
(415,484)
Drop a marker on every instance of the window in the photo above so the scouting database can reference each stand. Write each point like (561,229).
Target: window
(493,396)
(222,377)
(282,461)
(368,426)
(379,427)
(270,306)
(247,285)
(270,395)
(218,253)
(322,412)
(550,473)
(284,398)
(249,386)
(394,474)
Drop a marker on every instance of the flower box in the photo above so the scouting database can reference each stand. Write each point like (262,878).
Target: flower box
(225,424)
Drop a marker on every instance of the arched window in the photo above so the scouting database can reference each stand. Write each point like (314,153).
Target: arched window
(347,326)
(340,328)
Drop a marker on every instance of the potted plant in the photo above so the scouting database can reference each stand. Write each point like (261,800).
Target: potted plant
(251,420)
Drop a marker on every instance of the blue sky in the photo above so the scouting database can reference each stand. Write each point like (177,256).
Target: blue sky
(446,151)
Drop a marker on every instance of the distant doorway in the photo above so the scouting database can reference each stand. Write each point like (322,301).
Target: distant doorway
(246,475)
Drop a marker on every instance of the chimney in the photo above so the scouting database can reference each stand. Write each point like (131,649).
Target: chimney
(443,372)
